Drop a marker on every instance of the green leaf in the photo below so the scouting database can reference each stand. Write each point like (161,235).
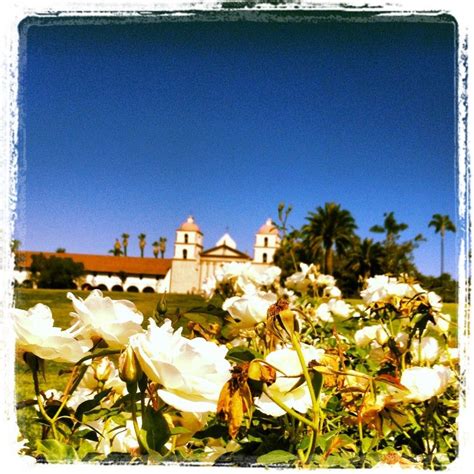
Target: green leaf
(155,428)
(304,443)
(55,451)
(89,405)
(317,382)
(243,354)
(210,309)
(229,331)
(87,434)
(276,457)
(214,431)
(204,319)
(177,430)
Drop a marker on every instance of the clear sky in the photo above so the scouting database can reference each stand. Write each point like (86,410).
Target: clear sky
(131,128)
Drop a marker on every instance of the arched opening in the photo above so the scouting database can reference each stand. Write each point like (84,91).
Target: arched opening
(86,287)
(102,287)
(148,289)
(132,289)
(264,258)
(186,238)
(117,288)
(265,242)
(27,284)
(185,254)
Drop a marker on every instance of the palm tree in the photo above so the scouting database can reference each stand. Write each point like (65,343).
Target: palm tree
(162,244)
(391,228)
(442,224)
(365,258)
(125,243)
(328,228)
(117,250)
(142,243)
(156,248)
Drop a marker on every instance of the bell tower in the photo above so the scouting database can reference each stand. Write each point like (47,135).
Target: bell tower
(267,241)
(185,265)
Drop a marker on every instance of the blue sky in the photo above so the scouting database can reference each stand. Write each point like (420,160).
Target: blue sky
(131,128)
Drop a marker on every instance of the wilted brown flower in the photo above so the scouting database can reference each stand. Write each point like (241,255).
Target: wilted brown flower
(235,399)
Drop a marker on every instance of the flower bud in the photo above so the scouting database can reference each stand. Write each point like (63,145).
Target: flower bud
(103,369)
(162,307)
(129,368)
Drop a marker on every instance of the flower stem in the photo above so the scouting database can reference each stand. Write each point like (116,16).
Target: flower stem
(289,410)
(41,406)
(132,390)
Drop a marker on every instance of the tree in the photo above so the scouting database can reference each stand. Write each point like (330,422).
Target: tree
(162,244)
(365,258)
(329,228)
(15,248)
(60,250)
(156,248)
(55,272)
(117,250)
(142,243)
(442,224)
(125,238)
(391,228)
(397,256)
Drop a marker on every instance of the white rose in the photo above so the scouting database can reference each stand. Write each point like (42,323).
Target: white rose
(340,308)
(124,439)
(425,352)
(401,340)
(230,271)
(450,356)
(442,323)
(265,277)
(286,360)
(332,292)
(250,308)
(325,280)
(435,301)
(36,333)
(112,320)
(363,337)
(376,289)
(425,382)
(192,371)
(209,287)
(299,281)
(324,314)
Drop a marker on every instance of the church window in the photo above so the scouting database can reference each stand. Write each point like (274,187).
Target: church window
(185,238)
(264,258)
(265,242)
(185,253)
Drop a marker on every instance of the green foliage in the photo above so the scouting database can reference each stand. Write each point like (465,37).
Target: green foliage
(55,451)
(155,428)
(329,228)
(444,285)
(276,457)
(55,272)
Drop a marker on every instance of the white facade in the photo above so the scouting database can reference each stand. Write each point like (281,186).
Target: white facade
(192,265)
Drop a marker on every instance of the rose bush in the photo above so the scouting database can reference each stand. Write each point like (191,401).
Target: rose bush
(268,371)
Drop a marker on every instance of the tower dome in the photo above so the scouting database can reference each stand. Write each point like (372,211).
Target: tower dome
(268,228)
(190,225)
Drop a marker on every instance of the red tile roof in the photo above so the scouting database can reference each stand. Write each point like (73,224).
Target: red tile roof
(108,263)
